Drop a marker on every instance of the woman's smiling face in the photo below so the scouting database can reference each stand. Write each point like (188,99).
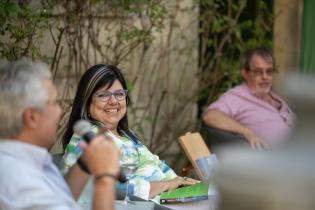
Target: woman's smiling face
(109,112)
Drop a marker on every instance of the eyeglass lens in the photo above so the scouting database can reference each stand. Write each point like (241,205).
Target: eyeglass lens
(106,95)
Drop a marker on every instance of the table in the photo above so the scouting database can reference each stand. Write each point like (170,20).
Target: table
(120,195)
(135,205)
(85,200)
(210,204)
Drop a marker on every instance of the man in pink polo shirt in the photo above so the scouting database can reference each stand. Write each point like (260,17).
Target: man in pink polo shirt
(251,109)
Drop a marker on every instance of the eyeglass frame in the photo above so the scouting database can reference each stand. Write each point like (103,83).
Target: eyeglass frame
(260,72)
(97,94)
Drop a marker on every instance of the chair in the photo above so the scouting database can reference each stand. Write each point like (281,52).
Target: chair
(195,148)
(216,138)
(57,158)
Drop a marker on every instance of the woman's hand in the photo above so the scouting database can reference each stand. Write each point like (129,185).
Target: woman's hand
(178,182)
(163,186)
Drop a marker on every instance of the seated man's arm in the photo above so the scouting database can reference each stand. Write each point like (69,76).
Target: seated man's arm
(101,157)
(94,155)
(217,119)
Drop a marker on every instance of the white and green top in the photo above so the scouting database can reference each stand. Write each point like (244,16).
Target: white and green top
(150,167)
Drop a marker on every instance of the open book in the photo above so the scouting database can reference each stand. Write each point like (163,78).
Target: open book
(195,192)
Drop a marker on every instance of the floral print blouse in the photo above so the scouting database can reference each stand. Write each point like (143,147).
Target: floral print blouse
(150,167)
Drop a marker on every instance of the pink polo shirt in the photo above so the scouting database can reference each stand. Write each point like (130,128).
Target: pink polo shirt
(269,123)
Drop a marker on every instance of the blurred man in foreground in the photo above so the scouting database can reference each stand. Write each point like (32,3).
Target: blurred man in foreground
(29,115)
(252,109)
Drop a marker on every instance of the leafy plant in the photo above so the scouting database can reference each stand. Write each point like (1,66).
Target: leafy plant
(20,29)
(174,54)
(228,28)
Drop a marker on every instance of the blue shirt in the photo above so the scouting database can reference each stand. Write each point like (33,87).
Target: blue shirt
(30,180)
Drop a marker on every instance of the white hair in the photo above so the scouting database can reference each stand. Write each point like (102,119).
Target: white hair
(21,87)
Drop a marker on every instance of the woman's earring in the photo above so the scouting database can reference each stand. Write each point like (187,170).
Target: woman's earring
(89,115)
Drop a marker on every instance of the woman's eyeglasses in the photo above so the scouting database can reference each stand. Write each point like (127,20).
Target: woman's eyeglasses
(106,95)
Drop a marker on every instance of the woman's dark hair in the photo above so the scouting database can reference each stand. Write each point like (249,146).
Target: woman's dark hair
(92,80)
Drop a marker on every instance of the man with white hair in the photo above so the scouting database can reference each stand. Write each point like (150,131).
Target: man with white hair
(29,115)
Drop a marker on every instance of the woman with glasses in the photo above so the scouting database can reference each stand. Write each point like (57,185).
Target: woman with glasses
(102,98)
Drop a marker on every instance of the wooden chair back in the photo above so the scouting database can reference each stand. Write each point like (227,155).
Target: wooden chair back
(194,147)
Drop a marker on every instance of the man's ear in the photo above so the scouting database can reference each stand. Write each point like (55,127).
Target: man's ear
(31,118)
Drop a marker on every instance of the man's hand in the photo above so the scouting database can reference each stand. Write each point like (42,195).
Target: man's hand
(254,141)
(101,155)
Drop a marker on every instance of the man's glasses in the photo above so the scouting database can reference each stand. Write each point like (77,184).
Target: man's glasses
(106,95)
(261,72)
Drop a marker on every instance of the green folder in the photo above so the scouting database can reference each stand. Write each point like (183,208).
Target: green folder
(191,193)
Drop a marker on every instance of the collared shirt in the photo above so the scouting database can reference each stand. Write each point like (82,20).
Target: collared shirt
(150,167)
(30,181)
(266,121)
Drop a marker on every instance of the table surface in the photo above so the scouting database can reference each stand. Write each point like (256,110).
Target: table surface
(209,204)
(134,205)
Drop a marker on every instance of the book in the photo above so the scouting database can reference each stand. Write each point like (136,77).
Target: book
(191,193)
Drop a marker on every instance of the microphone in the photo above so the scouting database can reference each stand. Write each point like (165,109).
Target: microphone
(84,129)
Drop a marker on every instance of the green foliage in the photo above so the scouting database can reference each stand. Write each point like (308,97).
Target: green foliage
(20,27)
(83,33)
(228,28)
(155,14)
